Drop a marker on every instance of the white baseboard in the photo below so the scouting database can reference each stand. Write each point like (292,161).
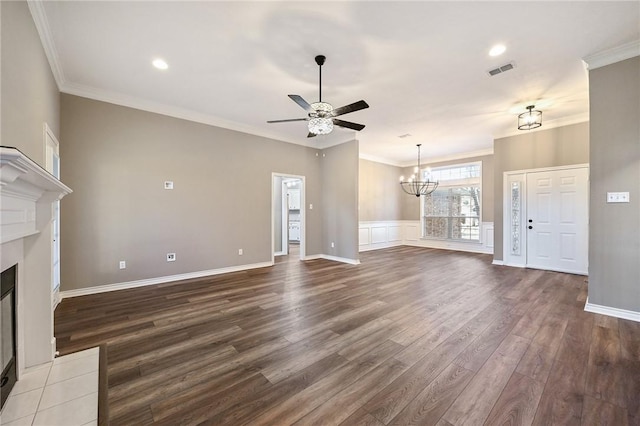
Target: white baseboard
(450,245)
(160,280)
(612,312)
(497,262)
(333,258)
(380,246)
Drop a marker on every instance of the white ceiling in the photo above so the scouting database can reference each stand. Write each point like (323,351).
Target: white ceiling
(421,66)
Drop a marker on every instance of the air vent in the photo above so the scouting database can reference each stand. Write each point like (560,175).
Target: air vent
(502,69)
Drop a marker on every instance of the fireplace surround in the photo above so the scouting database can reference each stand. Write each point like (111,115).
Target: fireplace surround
(27,192)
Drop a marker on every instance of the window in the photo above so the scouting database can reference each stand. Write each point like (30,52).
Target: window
(452,211)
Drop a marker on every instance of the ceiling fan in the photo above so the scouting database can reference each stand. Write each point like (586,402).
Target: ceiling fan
(321,115)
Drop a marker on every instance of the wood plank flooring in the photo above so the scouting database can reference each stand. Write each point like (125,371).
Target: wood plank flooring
(411,336)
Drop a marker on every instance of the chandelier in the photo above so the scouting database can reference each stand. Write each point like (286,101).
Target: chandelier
(530,119)
(416,186)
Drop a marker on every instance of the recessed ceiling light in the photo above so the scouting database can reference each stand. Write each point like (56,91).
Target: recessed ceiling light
(160,64)
(497,50)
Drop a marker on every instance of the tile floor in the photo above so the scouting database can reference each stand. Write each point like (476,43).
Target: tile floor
(63,392)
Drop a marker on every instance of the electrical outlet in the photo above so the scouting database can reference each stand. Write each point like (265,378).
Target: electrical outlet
(333,245)
(168,184)
(240,252)
(123,264)
(171,257)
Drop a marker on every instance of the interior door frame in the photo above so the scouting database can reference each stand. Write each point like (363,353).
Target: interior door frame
(51,152)
(519,258)
(279,203)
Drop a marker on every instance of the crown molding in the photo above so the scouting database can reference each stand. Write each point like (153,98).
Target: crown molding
(377,159)
(36,8)
(548,125)
(458,156)
(611,56)
(195,116)
(181,113)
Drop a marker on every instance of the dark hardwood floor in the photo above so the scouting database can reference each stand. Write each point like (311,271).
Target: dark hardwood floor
(410,336)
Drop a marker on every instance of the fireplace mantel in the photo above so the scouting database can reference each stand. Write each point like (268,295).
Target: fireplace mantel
(27,192)
(24,186)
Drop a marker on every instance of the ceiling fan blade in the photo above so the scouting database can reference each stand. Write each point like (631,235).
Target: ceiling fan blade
(311,135)
(348,124)
(287,120)
(356,106)
(304,104)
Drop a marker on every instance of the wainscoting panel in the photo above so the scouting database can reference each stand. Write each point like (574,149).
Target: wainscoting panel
(378,234)
(383,234)
(363,235)
(395,233)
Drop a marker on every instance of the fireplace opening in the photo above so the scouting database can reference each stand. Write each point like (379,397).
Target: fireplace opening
(8,328)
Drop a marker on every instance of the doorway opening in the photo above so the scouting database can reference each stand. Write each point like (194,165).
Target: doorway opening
(288,216)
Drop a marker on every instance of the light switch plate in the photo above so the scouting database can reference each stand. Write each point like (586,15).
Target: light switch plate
(168,184)
(617,197)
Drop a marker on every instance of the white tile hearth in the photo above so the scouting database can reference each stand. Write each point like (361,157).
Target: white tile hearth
(60,393)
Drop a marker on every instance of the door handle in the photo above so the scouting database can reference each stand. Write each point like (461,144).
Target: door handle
(530,227)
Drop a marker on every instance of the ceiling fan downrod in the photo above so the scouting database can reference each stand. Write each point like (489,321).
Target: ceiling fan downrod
(320,61)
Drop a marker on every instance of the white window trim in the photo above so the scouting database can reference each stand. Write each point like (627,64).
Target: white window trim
(455,184)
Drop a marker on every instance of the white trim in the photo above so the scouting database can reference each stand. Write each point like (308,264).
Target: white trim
(198,117)
(612,312)
(611,56)
(381,160)
(160,280)
(333,258)
(280,253)
(44,31)
(459,156)
(548,125)
(548,169)
(497,262)
(303,214)
(470,247)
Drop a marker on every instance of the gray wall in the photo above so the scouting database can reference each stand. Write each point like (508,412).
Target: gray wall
(411,205)
(614,229)
(29,98)
(531,150)
(116,160)
(379,194)
(29,92)
(340,192)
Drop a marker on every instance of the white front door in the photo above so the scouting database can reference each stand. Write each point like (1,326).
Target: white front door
(556,220)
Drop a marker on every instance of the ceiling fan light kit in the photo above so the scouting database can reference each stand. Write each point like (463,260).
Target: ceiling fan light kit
(321,114)
(320,126)
(531,119)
